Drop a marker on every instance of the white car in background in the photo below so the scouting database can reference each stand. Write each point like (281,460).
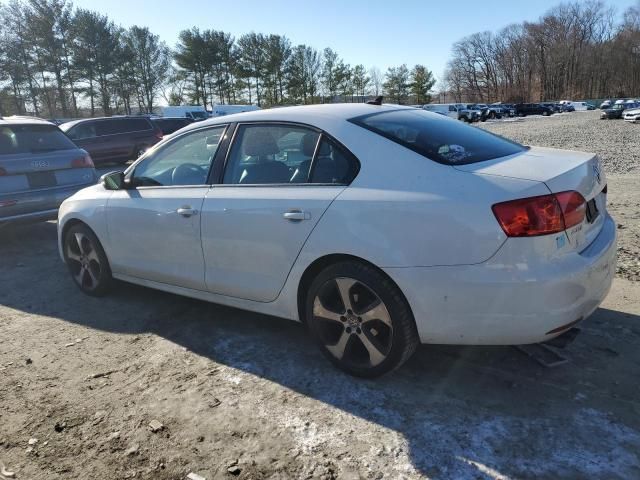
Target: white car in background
(381,227)
(632,115)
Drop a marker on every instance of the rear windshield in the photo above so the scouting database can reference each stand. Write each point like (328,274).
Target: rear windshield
(438,138)
(32,139)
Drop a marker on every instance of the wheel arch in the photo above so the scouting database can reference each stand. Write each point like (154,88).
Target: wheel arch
(65,228)
(319,264)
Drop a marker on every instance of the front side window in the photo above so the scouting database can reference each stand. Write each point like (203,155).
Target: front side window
(438,138)
(185,161)
(82,131)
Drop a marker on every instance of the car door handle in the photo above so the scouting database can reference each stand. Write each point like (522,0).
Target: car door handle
(186,211)
(296,215)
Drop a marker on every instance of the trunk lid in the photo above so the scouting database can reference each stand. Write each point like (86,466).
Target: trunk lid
(560,170)
(34,171)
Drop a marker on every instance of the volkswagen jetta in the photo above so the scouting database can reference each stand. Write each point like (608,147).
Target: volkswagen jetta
(378,226)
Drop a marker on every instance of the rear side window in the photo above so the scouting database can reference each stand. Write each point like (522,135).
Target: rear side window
(438,138)
(32,139)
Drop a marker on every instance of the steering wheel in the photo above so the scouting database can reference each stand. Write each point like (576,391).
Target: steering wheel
(188,174)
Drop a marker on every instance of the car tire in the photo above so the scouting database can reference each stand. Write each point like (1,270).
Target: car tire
(545,114)
(369,334)
(86,261)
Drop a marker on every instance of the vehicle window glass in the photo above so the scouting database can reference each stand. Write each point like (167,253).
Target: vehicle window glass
(438,138)
(452,108)
(107,127)
(82,131)
(32,139)
(333,164)
(185,161)
(134,125)
(264,154)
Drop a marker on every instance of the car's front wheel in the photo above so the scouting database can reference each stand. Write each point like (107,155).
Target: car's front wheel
(86,260)
(360,319)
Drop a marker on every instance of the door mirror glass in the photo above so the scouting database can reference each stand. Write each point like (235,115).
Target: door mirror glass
(113,181)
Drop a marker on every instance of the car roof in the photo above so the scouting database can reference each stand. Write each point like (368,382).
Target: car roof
(306,114)
(24,120)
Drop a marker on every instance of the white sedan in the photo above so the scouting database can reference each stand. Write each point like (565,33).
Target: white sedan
(378,226)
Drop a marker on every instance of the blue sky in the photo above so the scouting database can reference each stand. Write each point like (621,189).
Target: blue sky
(374,32)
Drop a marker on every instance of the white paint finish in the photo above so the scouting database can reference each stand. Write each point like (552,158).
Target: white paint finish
(429,225)
(514,298)
(148,238)
(249,246)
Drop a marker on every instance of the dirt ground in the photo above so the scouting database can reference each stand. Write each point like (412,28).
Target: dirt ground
(241,395)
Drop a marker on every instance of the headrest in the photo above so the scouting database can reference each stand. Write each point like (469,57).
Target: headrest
(258,142)
(309,141)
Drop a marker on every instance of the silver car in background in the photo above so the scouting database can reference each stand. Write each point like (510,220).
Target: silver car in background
(39,168)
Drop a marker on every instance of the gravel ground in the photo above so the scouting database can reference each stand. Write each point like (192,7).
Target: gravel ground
(616,142)
(618,145)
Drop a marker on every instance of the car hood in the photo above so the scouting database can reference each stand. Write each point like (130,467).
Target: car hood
(633,111)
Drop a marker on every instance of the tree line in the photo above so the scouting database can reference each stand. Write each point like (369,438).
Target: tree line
(576,50)
(61,61)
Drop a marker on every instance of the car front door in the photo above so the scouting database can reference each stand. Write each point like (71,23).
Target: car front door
(278,181)
(154,226)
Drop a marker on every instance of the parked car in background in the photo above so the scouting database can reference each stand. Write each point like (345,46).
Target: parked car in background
(459,111)
(509,109)
(616,111)
(632,115)
(113,139)
(590,106)
(39,168)
(606,104)
(226,109)
(193,112)
(555,107)
(168,125)
(524,109)
(306,205)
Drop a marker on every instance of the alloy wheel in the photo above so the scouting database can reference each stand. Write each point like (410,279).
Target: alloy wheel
(83,261)
(354,323)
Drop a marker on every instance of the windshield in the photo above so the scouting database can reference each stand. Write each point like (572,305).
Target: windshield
(438,138)
(32,139)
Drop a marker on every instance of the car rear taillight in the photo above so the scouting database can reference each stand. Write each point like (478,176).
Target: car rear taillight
(3,172)
(543,215)
(82,162)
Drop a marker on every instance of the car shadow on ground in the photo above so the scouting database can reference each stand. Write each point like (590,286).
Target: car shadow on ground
(463,411)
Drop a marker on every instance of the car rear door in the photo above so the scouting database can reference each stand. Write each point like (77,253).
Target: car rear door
(154,228)
(278,181)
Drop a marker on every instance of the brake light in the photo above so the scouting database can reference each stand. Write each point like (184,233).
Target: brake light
(82,162)
(543,215)
(3,172)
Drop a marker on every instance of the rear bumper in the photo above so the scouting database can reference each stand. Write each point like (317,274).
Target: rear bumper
(502,302)
(36,206)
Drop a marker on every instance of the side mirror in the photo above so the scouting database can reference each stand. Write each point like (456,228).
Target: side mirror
(113,181)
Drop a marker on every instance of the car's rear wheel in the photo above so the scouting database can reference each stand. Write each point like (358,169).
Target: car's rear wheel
(360,319)
(86,260)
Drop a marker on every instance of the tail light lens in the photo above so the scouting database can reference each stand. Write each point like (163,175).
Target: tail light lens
(543,215)
(82,162)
